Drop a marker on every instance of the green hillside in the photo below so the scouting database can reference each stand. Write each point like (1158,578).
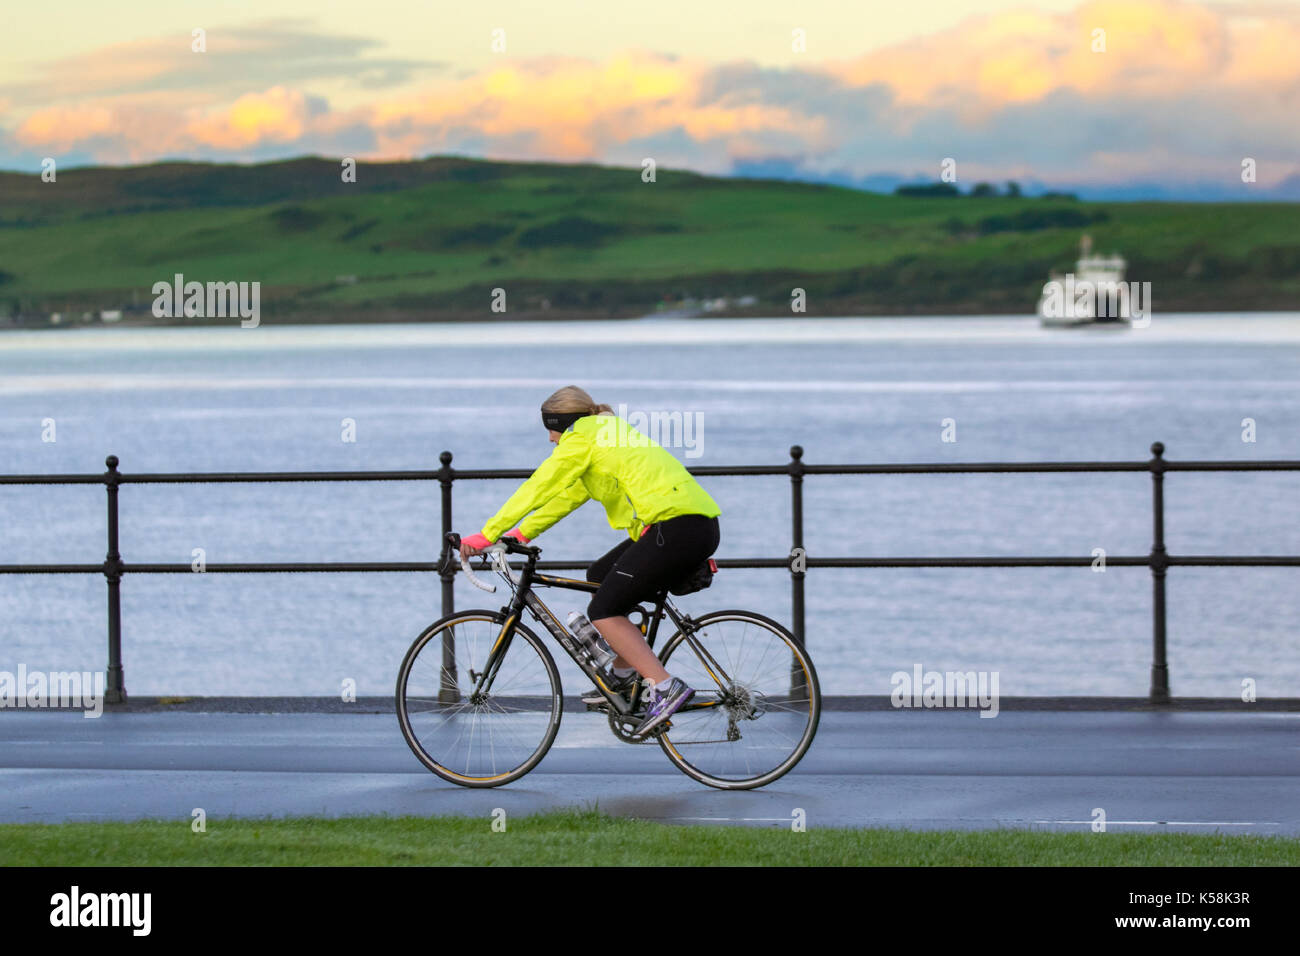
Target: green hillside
(431,239)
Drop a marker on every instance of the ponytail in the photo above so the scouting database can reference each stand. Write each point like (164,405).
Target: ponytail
(572,400)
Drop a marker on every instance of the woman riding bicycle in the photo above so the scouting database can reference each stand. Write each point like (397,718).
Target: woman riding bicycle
(671,521)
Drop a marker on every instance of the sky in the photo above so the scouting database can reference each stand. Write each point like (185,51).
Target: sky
(1119,98)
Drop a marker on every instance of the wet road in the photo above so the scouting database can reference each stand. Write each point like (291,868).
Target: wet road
(1194,772)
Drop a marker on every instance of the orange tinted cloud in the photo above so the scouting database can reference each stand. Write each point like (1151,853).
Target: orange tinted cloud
(279,115)
(573,109)
(1133,47)
(61,128)
(1173,73)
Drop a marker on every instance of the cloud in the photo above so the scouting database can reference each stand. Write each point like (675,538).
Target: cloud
(279,115)
(571,109)
(1182,92)
(1101,48)
(237,60)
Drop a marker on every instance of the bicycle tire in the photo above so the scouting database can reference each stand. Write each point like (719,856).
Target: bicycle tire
(691,728)
(537,708)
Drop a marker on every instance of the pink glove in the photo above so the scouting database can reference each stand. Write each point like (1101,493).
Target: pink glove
(517,535)
(473,545)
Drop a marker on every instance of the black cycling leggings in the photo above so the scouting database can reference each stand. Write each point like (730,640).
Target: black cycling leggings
(636,571)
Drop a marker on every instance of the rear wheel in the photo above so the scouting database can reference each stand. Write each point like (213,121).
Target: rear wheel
(485,738)
(756,705)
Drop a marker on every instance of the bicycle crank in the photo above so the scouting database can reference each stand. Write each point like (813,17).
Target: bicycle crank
(622,726)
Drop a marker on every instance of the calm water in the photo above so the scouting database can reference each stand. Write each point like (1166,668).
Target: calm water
(847,390)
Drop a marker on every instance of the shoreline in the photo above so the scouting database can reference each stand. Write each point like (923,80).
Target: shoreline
(1246,328)
(383,316)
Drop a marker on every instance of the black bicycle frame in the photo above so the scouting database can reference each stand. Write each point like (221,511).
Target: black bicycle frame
(524,597)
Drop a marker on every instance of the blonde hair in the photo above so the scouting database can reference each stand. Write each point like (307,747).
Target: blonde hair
(571,399)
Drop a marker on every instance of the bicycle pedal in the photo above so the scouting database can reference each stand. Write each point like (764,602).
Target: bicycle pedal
(650,735)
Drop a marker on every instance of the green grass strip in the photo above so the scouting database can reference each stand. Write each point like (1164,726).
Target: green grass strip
(589,837)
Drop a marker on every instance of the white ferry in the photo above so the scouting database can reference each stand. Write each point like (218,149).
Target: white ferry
(1095,294)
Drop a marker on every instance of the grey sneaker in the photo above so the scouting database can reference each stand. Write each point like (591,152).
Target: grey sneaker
(663,705)
(594,698)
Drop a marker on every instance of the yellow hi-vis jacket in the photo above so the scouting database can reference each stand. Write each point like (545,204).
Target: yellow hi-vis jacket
(605,458)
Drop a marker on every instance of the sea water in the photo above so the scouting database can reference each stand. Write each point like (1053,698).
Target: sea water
(925,389)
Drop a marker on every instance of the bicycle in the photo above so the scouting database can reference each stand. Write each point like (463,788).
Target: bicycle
(479,698)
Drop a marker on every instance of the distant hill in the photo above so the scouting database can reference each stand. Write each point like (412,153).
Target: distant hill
(434,238)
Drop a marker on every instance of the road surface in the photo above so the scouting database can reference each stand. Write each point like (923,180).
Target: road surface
(1149,771)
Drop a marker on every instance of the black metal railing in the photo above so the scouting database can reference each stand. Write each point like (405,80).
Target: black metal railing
(797,561)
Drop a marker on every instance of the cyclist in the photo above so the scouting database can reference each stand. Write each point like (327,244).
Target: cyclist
(671,522)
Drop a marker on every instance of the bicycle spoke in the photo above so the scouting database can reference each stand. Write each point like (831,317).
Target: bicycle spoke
(490,731)
(755,729)
(507,727)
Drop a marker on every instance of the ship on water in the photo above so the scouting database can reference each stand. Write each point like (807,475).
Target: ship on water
(1095,294)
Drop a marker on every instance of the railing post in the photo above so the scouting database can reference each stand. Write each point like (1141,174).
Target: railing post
(1159,562)
(447,690)
(798,686)
(115,691)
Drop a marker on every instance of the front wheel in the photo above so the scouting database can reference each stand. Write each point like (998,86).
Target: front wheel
(471,733)
(756,705)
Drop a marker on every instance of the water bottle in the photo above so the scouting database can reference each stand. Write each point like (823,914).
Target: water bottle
(602,655)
